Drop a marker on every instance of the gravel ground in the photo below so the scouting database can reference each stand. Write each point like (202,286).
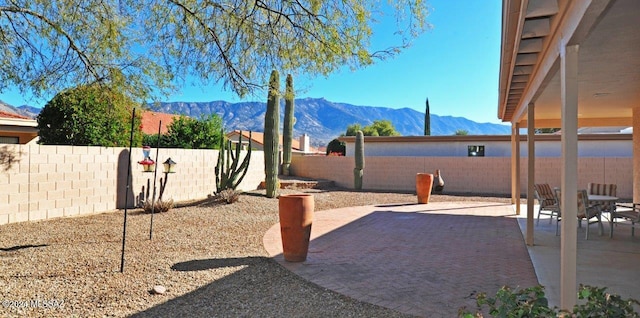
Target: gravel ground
(209,257)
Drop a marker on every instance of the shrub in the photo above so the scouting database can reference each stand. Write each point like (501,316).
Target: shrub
(531,302)
(227,196)
(158,206)
(336,148)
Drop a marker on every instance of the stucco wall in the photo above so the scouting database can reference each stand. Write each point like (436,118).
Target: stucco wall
(46,182)
(491,175)
(602,145)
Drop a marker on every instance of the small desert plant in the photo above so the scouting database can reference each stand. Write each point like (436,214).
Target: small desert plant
(227,196)
(531,302)
(158,206)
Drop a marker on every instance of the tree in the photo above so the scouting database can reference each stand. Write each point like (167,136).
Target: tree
(142,46)
(189,133)
(461,132)
(90,115)
(427,120)
(378,128)
(45,47)
(353,129)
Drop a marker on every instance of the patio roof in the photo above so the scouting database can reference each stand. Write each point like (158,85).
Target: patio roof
(568,64)
(534,34)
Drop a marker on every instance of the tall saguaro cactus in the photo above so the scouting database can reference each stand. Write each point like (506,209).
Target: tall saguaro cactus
(272,136)
(427,121)
(358,171)
(288,126)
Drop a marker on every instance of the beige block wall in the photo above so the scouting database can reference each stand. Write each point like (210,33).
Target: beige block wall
(56,181)
(489,175)
(45,182)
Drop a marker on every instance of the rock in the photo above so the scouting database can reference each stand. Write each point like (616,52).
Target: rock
(159,290)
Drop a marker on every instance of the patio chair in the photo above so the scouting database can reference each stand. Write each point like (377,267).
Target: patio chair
(547,201)
(603,189)
(629,213)
(585,211)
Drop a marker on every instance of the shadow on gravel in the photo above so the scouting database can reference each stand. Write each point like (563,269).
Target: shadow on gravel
(20,247)
(205,264)
(261,289)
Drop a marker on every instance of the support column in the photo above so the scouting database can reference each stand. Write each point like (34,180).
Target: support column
(515,166)
(569,176)
(636,154)
(531,169)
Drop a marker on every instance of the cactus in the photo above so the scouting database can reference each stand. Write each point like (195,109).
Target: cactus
(272,136)
(358,171)
(427,121)
(229,171)
(288,126)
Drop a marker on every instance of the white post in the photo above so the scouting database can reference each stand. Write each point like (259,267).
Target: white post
(569,176)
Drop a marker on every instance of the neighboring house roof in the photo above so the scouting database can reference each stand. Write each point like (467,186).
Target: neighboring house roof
(258,137)
(12,115)
(151,120)
(17,128)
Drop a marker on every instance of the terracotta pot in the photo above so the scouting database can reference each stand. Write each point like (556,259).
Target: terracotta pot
(296,216)
(424,184)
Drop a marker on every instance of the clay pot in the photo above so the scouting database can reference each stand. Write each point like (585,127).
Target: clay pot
(438,182)
(424,184)
(296,216)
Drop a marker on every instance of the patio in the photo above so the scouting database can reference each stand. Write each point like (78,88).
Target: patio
(374,254)
(602,261)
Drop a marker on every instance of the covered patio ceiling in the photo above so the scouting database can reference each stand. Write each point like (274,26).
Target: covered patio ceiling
(608,64)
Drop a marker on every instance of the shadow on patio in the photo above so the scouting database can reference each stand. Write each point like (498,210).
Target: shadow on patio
(425,260)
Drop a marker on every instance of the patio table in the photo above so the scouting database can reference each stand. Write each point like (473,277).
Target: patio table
(605,198)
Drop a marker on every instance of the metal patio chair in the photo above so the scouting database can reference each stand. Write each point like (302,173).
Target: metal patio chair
(585,211)
(547,201)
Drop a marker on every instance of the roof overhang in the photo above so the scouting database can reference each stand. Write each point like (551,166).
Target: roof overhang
(534,35)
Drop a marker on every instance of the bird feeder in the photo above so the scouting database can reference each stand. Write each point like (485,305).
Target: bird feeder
(169,166)
(146,152)
(148,165)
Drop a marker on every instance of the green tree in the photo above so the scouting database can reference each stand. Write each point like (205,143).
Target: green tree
(353,129)
(142,46)
(377,128)
(189,133)
(382,128)
(461,132)
(90,115)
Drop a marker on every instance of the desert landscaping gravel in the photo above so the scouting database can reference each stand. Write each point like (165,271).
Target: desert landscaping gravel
(209,257)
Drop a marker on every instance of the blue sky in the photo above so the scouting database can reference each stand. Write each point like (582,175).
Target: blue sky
(455,65)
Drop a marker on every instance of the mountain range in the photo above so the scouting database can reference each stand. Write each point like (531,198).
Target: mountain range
(324,120)
(319,118)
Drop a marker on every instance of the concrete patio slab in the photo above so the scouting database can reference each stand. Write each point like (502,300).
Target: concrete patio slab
(602,261)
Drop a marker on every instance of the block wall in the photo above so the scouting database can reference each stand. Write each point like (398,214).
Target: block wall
(41,182)
(489,175)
